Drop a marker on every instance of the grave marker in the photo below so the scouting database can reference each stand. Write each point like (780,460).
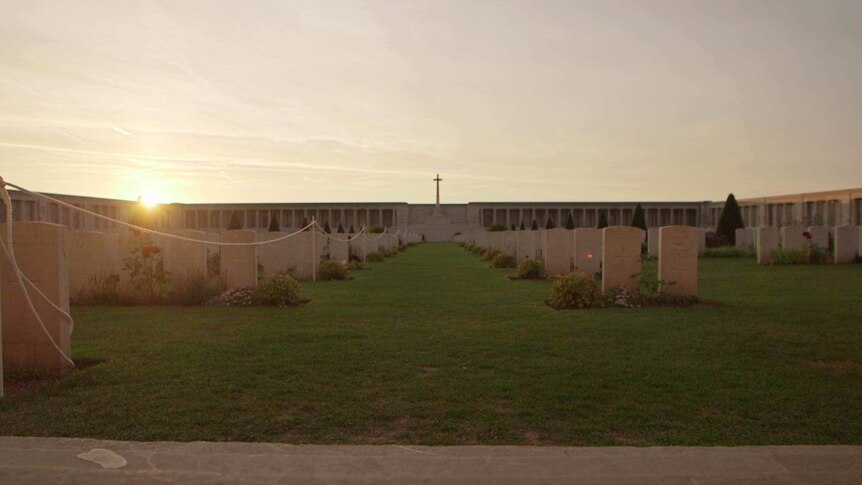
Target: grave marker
(621,258)
(677,261)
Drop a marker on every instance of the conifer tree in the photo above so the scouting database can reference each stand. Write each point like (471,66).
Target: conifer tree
(729,221)
(603,220)
(549,224)
(523,227)
(234,222)
(638,218)
(304,222)
(570,222)
(273,225)
(340,228)
(326,228)
(535,226)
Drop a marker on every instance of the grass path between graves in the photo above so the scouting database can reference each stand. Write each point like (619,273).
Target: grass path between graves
(434,347)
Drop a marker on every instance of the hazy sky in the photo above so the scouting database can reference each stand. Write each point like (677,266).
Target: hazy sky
(367,101)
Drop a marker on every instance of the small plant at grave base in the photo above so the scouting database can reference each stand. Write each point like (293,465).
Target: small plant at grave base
(332,270)
(146,269)
(504,261)
(355,265)
(532,269)
(576,291)
(623,297)
(375,257)
(214,264)
(490,254)
(278,290)
(195,289)
(413,244)
(391,252)
(101,290)
(376,230)
(785,257)
(496,228)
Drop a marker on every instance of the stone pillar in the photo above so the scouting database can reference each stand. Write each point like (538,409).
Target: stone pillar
(588,249)
(621,258)
(40,252)
(239,263)
(847,243)
(677,260)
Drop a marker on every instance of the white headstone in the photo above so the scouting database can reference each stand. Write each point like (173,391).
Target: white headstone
(621,257)
(677,261)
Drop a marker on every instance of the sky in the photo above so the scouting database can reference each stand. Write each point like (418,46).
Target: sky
(281,101)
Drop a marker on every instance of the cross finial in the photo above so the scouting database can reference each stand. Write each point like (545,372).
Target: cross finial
(438,180)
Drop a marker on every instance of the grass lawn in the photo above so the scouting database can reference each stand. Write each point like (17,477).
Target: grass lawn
(434,347)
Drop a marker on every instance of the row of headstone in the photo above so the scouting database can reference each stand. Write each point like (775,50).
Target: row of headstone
(847,241)
(615,252)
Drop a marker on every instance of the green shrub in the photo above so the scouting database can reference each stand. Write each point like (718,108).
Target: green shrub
(782,257)
(279,290)
(504,261)
(376,230)
(490,254)
(532,269)
(332,270)
(375,257)
(355,265)
(576,290)
(477,250)
(497,228)
(726,252)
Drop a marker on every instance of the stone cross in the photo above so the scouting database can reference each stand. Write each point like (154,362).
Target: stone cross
(438,180)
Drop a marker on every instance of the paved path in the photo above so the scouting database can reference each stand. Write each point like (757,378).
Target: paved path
(72,460)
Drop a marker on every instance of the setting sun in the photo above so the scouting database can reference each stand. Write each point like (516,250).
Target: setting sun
(151,197)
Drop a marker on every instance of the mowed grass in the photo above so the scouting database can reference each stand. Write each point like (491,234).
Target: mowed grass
(434,347)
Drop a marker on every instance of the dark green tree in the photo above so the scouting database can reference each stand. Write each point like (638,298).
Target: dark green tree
(570,222)
(729,222)
(304,223)
(535,226)
(351,230)
(340,228)
(639,218)
(234,222)
(522,226)
(513,227)
(326,228)
(273,225)
(549,224)
(603,220)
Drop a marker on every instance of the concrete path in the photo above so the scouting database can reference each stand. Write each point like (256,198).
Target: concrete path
(65,460)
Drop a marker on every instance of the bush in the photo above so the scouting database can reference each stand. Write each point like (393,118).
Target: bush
(497,228)
(727,252)
(235,297)
(576,290)
(355,265)
(375,257)
(332,270)
(477,250)
(278,290)
(376,230)
(782,257)
(195,289)
(532,269)
(504,261)
(490,254)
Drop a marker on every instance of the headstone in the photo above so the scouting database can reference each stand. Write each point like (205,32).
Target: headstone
(652,242)
(701,241)
(185,259)
(793,238)
(304,254)
(273,256)
(819,237)
(677,261)
(558,249)
(767,242)
(358,246)
(621,258)
(339,248)
(40,251)
(510,243)
(846,243)
(239,263)
(745,238)
(526,245)
(88,260)
(588,250)
(495,240)
(135,248)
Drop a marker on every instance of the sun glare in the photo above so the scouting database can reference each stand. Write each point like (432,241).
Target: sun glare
(151,198)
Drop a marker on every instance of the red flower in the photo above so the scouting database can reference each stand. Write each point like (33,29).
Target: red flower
(807,235)
(148,251)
